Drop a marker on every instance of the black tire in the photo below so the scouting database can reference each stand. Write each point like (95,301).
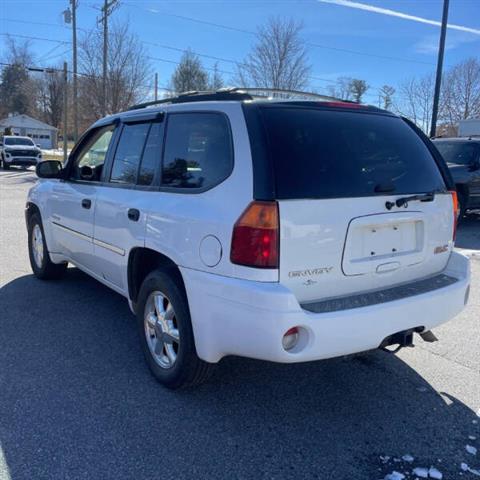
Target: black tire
(44,269)
(5,165)
(188,369)
(462,205)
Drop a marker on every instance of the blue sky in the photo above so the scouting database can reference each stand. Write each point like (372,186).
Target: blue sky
(334,25)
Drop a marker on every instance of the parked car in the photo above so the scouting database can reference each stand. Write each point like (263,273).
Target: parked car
(463,160)
(16,150)
(286,231)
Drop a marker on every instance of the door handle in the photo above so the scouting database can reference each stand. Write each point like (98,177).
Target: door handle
(133,214)
(86,203)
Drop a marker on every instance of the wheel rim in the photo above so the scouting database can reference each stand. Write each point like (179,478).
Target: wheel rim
(161,330)
(37,245)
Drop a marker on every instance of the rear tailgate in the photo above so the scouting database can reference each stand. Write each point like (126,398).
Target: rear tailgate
(336,172)
(331,248)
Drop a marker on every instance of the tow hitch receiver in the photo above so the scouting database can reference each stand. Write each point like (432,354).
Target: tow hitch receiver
(401,339)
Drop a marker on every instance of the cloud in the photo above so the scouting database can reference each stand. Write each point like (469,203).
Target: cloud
(395,13)
(429,43)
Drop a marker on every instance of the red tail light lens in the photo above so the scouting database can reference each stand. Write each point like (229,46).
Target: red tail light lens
(456,212)
(255,239)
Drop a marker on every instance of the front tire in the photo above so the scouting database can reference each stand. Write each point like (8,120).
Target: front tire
(5,165)
(40,261)
(166,334)
(462,205)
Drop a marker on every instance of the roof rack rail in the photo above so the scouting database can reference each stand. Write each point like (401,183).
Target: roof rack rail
(239,93)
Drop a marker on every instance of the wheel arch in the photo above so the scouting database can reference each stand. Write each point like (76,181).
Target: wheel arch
(141,262)
(30,209)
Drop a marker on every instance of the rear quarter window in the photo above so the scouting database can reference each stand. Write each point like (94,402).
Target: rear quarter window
(320,153)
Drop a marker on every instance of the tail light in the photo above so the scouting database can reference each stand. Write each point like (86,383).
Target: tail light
(456,212)
(255,239)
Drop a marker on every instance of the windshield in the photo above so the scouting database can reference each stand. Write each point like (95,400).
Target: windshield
(18,141)
(460,153)
(321,153)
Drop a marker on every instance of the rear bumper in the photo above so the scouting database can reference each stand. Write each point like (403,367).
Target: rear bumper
(247,318)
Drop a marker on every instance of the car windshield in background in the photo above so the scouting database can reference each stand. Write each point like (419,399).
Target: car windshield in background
(461,153)
(18,141)
(330,154)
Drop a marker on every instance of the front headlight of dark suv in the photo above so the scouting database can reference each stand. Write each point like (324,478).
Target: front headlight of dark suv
(9,152)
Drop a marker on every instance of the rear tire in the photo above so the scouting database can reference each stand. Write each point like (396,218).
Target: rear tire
(166,334)
(42,265)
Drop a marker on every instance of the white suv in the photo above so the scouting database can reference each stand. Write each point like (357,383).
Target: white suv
(279,230)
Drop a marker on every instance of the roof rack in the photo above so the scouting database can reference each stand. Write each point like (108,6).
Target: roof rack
(239,94)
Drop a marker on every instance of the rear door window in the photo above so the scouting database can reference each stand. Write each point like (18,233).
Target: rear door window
(198,150)
(320,153)
(152,155)
(128,154)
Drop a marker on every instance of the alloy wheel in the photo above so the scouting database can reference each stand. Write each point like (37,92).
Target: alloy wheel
(161,330)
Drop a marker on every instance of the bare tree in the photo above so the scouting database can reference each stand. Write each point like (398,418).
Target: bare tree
(278,59)
(341,89)
(17,90)
(128,72)
(50,98)
(461,92)
(358,88)
(215,81)
(417,100)
(189,74)
(386,96)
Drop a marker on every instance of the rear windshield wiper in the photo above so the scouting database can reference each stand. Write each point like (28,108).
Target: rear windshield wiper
(403,201)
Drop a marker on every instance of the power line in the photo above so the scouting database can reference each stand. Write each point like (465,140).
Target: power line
(311,44)
(27,37)
(29,22)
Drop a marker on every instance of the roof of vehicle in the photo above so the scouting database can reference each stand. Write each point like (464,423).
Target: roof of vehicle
(264,96)
(16,136)
(457,139)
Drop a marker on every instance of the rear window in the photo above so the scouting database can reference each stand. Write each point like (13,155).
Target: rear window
(331,154)
(458,152)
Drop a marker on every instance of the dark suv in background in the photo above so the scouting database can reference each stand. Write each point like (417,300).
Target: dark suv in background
(463,159)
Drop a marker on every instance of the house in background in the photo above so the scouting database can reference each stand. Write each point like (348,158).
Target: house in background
(41,133)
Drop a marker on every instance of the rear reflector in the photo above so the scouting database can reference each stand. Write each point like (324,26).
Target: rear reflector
(290,338)
(255,239)
(456,212)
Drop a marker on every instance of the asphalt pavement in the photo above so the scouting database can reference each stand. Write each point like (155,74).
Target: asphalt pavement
(77,401)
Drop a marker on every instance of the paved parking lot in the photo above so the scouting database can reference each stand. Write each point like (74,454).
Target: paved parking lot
(77,401)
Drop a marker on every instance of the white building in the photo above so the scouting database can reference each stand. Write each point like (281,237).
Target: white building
(41,133)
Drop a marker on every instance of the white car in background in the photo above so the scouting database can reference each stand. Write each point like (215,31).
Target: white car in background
(286,231)
(16,150)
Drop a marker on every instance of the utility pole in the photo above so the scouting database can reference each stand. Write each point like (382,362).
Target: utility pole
(74,4)
(438,79)
(107,9)
(70,16)
(156,86)
(65,106)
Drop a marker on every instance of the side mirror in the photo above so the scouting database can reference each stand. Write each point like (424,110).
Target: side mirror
(38,145)
(49,169)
